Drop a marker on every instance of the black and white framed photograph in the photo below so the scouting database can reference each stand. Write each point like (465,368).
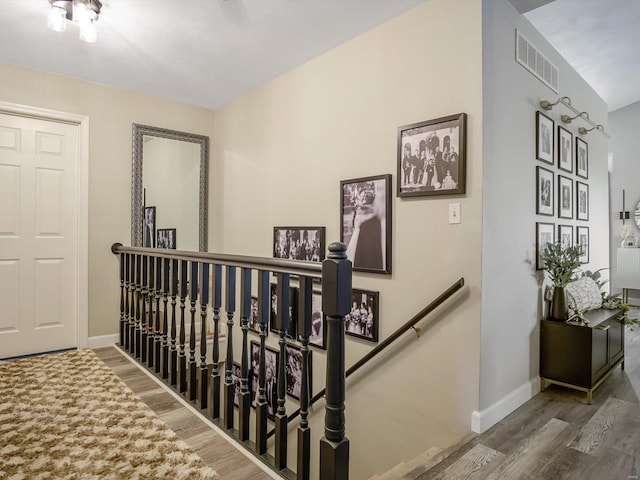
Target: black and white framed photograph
(253,322)
(293,371)
(582,158)
(545,233)
(365,214)
(299,243)
(582,239)
(544,138)
(565,236)
(565,149)
(318,337)
(582,201)
(236,375)
(432,157)
(362,321)
(544,191)
(149,230)
(271,372)
(293,310)
(166,238)
(565,197)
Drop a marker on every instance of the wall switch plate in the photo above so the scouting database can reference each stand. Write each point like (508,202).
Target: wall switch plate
(454,213)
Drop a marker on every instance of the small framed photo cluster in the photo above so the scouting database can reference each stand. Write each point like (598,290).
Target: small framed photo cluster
(430,161)
(558,193)
(153,237)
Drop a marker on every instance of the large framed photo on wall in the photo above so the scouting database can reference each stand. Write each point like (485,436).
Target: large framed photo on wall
(365,215)
(544,189)
(565,236)
(565,197)
(545,233)
(565,149)
(582,201)
(582,239)
(299,243)
(544,138)
(362,321)
(582,158)
(432,157)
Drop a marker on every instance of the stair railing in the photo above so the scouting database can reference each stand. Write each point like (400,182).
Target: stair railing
(411,324)
(159,288)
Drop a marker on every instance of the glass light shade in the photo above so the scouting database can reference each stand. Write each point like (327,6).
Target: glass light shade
(57,19)
(80,12)
(88,31)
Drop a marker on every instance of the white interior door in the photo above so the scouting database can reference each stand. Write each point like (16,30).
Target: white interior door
(39,163)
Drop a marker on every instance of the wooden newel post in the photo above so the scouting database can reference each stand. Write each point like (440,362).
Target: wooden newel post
(336,303)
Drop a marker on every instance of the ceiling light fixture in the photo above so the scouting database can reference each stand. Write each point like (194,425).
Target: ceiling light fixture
(84,13)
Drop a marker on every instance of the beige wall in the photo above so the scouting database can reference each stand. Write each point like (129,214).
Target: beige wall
(111,113)
(279,154)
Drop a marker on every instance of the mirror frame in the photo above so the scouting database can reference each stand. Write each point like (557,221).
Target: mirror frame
(139,131)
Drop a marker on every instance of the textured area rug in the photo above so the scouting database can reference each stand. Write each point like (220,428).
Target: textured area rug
(67,416)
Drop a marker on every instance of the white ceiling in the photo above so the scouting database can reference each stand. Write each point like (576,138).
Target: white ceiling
(209,52)
(600,39)
(203,52)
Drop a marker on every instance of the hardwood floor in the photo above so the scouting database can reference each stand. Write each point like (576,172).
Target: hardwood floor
(214,448)
(557,436)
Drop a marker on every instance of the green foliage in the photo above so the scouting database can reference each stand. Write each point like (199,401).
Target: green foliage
(560,263)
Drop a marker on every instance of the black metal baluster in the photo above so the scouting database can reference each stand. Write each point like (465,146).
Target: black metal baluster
(128,345)
(122,314)
(229,387)
(214,391)
(157,334)
(139,304)
(127,301)
(151,314)
(182,357)
(244,397)
(336,303)
(305,311)
(143,314)
(135,295)
(193,366)
(264,311)
(203,377)
(281,324)
(164,359)
(173,349)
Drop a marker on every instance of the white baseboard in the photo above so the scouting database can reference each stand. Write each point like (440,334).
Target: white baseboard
(103,341)
(487,418)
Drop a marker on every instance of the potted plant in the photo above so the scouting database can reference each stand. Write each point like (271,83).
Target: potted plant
(560,263)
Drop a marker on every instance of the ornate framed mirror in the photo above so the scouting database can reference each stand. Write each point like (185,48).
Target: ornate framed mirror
(170,173)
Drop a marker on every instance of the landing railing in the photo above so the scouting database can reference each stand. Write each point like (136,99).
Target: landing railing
(161,289)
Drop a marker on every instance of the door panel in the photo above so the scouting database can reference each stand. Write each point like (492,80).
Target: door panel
(38,235)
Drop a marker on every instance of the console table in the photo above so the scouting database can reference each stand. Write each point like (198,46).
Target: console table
(627,271)
(581,356)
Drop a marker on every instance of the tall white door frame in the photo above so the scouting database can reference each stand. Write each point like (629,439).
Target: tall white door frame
(82,121)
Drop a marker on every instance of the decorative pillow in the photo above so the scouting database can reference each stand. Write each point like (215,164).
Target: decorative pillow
(583,294)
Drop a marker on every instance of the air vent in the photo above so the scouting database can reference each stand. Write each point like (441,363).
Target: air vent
(530,58)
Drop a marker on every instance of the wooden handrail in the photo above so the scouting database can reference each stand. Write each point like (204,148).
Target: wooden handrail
(392,338)
(294,267)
